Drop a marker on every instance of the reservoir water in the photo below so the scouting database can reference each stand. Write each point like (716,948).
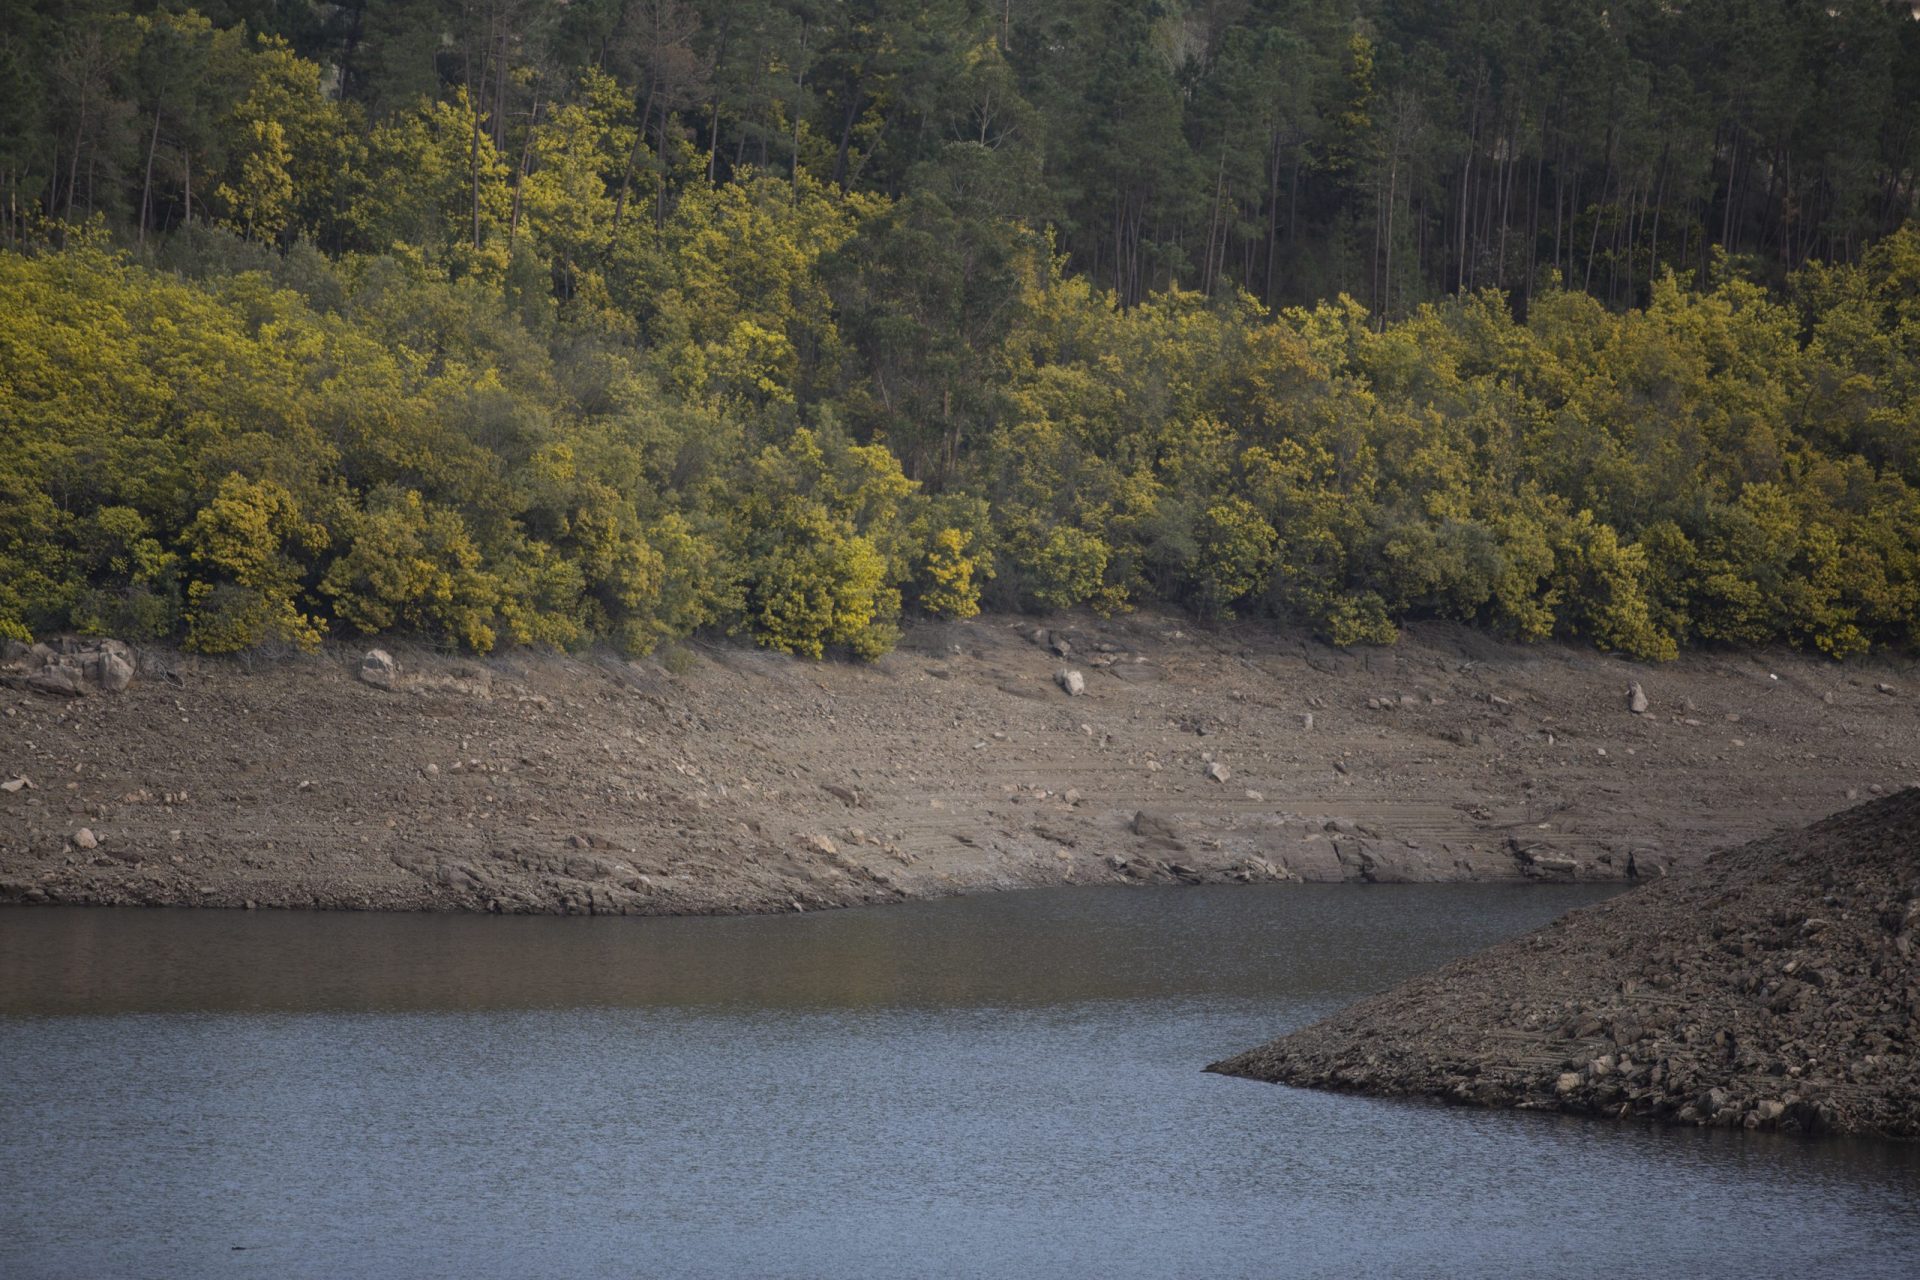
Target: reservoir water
(991,1086)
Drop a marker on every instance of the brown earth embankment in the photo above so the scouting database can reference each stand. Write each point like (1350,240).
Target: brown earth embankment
(724,779)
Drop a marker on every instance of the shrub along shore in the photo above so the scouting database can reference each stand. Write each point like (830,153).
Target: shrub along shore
(290,446)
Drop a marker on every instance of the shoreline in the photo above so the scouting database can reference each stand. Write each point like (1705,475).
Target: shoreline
(726,780)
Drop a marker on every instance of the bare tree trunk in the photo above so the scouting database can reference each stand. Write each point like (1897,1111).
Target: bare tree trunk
(1213,220)
(1273,212)
(146,184)
(520,177)
(633,158)
(846,138)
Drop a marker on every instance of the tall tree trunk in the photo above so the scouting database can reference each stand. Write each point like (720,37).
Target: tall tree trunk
(1273,212)
(146,183)
(1213,220)
(852,117)
(633,159)
(520,175)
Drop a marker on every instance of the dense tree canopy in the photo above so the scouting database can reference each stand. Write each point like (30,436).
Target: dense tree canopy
(498,321)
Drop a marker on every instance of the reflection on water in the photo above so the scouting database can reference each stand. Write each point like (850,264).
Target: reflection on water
(988,1086)
(1323,941)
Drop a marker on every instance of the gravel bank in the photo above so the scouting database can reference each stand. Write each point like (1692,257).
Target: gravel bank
(1774,986)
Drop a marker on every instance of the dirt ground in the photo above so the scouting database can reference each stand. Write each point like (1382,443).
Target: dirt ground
(725,779)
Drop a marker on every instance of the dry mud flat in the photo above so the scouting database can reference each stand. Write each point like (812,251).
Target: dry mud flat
(1774,986)
(724,779)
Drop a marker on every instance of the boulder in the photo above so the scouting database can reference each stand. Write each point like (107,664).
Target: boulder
(1636,699)
(1072,682)
(115,672)
(71,666)
(1157,827)
(379,669)
(59,681)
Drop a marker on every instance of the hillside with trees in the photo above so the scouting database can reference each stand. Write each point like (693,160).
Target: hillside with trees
(501,322)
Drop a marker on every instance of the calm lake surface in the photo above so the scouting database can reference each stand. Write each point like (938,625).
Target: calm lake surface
(991,1086)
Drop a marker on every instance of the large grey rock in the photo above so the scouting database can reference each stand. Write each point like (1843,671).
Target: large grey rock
(1158,827)
(71,666)
(1072,682)
(379,669)
(115,672)
(61,681)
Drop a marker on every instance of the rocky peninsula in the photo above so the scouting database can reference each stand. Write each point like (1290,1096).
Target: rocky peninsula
(1773,986)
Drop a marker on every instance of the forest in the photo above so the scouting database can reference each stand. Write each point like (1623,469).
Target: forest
(504,322)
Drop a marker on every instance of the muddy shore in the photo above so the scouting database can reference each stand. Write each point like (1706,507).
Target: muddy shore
(1776,986)
(723,779)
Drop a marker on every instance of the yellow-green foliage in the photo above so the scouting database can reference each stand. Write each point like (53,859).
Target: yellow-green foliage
(951,567)
(398,443)
(811,537)
(1642,480)
(408,567)
(243,551)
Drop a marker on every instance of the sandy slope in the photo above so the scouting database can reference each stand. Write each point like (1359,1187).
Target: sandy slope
(748,781)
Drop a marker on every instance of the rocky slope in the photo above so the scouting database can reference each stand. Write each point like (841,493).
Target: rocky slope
(720,779)
(1774,986)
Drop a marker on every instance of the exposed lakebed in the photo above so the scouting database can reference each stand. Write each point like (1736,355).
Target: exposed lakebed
(993,1085)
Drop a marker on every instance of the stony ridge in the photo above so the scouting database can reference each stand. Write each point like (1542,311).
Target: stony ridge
(1774,986)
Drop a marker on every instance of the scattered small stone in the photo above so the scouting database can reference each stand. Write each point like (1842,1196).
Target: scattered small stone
(1072,682)
(1219,772)
(1885,688)
(1306,720)
(1636,699)
(85,838)
(823,845)
(16,784)
(1256,796)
